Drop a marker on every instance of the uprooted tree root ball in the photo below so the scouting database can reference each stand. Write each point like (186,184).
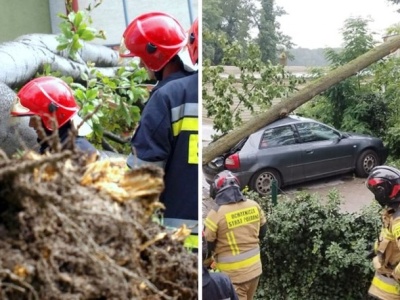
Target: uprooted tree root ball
(72,227)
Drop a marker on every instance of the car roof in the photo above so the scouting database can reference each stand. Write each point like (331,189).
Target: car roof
(291,119)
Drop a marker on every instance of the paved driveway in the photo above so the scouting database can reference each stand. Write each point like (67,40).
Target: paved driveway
(352,190)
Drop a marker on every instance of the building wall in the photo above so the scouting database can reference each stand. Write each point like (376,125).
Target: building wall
(19,17)
(111,17)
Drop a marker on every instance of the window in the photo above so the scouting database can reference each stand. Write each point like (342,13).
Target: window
(278,136)
(312,132)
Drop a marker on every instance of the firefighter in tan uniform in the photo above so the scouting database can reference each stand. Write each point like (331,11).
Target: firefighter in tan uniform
(384,183)
(233,229)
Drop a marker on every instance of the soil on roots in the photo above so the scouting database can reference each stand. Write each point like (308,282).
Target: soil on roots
(72,227)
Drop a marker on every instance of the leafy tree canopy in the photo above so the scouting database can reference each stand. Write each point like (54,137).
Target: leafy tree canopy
(244,22)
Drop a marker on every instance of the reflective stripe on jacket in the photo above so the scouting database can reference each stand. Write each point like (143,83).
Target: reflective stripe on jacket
(384,287)
(240,261)
(385,283)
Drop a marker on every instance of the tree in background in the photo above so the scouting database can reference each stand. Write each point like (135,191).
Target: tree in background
(225,42)
(253,89)
(308,57)
(244,22)
(387,80)
(267,38)
(349,105)
(230,19)
(395,2)
(269,34)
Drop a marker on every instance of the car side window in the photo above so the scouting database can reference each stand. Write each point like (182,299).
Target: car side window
(279,136)
(312,132)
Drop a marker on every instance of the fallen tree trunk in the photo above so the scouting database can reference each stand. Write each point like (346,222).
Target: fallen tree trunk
(15,133)
(22,58)
(291,103)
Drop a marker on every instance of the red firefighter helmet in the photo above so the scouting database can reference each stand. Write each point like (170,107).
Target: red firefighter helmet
(155,37)
(193,42)
(222,181)
(48,97)
(384,183)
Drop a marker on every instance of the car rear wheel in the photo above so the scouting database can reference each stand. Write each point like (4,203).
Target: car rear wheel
(366,162)
(261,181)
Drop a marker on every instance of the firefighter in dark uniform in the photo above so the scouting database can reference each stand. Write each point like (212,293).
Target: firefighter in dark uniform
(233,229)
(51,105)
(167,135)
(384,183)
(215,285)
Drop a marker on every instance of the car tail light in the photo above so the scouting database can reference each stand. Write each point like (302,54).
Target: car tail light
(232,161)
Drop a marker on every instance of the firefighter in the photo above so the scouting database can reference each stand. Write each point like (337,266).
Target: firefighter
(384,183)
(215,285)
(167,135)
(51,105)
(233,229)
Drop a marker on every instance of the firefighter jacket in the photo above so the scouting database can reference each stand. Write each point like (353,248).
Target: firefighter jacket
(385,284)
(168,137)
(153,116)
(217,286)
(234,226)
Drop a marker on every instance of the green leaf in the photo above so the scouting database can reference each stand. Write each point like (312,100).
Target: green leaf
(79,94)
(92,94)
(71,17)
(77,20)
(87,35)
(84,76)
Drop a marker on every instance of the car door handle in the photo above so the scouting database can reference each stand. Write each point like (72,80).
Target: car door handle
(309,151)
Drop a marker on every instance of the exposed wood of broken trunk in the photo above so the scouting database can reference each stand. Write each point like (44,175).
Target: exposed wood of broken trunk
(291,103)
(73,227)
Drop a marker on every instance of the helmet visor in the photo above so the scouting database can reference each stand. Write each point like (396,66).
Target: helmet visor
(83,128)
(184,55)
(123,50)
(18,110)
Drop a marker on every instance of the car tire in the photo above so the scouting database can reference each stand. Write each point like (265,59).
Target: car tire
(366,162)
(261,182)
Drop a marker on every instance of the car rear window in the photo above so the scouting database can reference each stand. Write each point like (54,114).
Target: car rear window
(279,136)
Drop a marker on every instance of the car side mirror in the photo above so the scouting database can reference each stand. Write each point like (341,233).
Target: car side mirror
(340,137)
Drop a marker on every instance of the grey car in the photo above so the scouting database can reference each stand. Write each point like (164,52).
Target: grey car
(296,149)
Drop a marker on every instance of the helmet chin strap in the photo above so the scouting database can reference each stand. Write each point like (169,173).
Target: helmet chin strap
(394,203)
(174,65)
(159,74)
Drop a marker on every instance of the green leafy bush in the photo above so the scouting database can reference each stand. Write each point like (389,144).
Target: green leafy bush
(314,250)
(111,105)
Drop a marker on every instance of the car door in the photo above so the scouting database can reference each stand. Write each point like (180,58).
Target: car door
(279,149)
(323,151)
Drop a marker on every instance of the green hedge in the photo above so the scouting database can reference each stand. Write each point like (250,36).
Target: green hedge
(314,250)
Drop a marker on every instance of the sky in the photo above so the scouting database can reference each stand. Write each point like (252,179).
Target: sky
(318,23)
